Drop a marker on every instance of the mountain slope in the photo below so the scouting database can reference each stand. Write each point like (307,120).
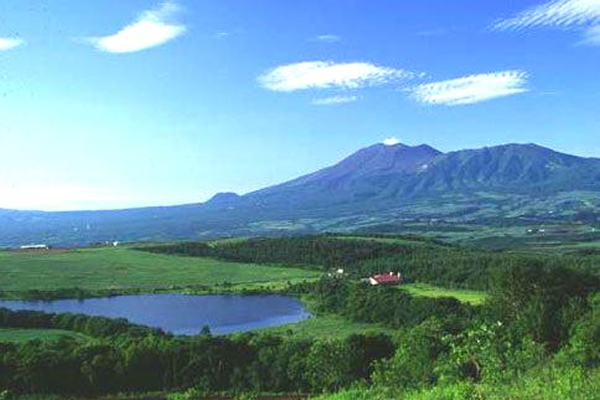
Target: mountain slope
(378,183)
(382,176)
(369,174)
(516,168)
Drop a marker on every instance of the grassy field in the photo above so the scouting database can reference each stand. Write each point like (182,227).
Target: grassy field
(122,269)
(422,289)
(328,326)
(25,335)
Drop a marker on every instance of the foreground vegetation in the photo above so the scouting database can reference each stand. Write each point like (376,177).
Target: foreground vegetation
(474,325)
(555,380)
(532,319)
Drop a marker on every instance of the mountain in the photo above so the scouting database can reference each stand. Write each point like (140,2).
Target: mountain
(516,168)
(226,199)
(369,174)
(377,184)
(382,176)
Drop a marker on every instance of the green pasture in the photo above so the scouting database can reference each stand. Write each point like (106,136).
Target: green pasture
(328,326)
(123,269)
(466,296)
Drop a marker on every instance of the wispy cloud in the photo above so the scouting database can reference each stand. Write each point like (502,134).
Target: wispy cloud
(471,89)
(328,75)
(328,38)
(592,36)
(334,100)
(222,34)
(581,14)
(152,28)
(10,43)
(559,13)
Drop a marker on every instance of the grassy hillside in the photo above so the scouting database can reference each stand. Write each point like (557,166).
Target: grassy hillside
(474,297)
(328,327)
(122,269)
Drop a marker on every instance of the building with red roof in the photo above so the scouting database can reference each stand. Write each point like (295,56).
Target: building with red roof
(390,278)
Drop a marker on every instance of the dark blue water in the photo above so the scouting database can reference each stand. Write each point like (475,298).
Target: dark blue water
(182,314)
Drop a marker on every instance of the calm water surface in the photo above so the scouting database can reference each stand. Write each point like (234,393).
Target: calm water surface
(182,314)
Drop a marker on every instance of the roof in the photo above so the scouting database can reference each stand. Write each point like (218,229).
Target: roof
(386,278)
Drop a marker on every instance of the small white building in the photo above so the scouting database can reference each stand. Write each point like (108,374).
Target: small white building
(34,247)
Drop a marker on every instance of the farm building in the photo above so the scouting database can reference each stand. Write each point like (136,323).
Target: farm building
(35,247)
(390,278)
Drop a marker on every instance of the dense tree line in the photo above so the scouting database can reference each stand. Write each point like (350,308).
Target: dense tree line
(121,357)
(100,327)
(427,261)
(386,305)
(317,251)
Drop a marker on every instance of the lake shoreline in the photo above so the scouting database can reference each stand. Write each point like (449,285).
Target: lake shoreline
(242,289)
(180,314)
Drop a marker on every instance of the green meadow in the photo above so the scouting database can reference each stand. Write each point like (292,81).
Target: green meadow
(127,270)
(474,297)
(328,327)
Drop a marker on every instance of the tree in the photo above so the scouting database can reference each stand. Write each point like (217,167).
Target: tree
(415,359)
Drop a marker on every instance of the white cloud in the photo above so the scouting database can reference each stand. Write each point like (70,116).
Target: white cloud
(328,75)
(592,36)
(152,28)
(471,89)
(566,14)
(333,100)
(328,38)
(222,34)
(10,43)
(558,13)
(392,141)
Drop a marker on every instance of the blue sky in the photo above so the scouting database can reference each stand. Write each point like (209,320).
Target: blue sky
(107,104)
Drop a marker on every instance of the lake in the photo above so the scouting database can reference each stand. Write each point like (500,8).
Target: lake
(182,314)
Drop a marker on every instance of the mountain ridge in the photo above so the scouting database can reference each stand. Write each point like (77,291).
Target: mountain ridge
(404,172)
(379,182)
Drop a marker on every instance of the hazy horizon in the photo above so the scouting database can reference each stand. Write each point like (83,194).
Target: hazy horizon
(389,142)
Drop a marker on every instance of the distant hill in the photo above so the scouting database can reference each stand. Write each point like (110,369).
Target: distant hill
(376,185)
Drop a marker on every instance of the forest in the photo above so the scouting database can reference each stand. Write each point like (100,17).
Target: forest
(542,313)
(420,259)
